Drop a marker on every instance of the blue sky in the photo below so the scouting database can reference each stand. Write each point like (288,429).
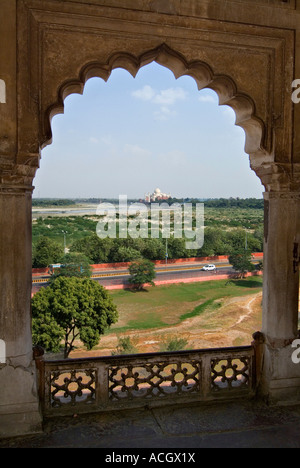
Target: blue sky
(131,135)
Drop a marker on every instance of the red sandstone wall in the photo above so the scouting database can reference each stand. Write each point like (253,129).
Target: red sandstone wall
(111,266)
(185,280)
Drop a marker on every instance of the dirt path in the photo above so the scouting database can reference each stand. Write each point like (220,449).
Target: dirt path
(248,306)
(231,324)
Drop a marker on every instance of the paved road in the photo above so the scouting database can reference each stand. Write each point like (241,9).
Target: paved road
(120,276)
(163,274)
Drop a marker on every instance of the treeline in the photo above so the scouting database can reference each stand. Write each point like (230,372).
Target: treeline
(244,203)
(216,242)
(253,203)
(46,202)
(96,250)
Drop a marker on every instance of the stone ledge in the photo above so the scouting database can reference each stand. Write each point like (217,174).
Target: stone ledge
(20,420)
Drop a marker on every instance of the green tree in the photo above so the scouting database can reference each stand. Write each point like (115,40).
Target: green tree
(154,249)
(46,252)
(174,343)
(96,249)
(259,236)
(125,346)
(176,248)
(241,262)
(126,254)
(237,241)
(74,264)
(214,243)
(142,272)
(71,308)
(126,250)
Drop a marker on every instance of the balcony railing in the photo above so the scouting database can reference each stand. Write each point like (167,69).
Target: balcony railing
(113,382)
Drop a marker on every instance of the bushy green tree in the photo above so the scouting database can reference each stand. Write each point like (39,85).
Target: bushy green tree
(177,248)
(154,249)
(127,254)
(174,343)
(96,249)
(259,236)
(46,252)
(241,262)
(215,243)
(71,308)
(142,272)
(125,346)
(74,264)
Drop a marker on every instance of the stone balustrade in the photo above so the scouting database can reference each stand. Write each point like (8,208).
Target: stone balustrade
(73,386)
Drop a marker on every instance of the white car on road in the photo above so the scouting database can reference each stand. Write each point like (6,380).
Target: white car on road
(209,268)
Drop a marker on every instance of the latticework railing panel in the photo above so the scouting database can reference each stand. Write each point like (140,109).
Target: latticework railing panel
(72,386)
(161,379)
(230,373)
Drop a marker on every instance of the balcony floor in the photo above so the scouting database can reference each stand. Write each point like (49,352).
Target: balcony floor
(233,425)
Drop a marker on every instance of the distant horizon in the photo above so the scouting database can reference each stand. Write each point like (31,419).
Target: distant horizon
(140,198)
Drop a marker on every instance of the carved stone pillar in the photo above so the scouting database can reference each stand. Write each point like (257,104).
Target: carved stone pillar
(280,376)
(19,412)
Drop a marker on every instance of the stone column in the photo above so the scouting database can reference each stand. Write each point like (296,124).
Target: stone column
(19,412)
(280,376)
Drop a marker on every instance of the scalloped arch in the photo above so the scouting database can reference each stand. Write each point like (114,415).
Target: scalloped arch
(223,85)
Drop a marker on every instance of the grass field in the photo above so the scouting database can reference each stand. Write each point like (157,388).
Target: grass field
(162,306)
(208,314)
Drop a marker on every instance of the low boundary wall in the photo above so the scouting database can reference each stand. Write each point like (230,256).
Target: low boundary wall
(177,261)
(197,279)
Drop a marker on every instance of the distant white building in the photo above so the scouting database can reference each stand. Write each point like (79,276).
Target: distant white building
(156,196)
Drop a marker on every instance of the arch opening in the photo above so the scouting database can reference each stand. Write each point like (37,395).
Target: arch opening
(212,95)
(202,73)
(149,95)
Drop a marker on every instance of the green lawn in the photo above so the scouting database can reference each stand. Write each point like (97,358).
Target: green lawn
(162,306)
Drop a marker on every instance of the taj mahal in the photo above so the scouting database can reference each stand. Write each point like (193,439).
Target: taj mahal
(156,195)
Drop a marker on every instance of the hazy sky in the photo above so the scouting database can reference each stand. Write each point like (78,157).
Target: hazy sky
(131,135)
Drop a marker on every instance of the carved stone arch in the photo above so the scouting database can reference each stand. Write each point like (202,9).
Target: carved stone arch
(224,86)
(246,50)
